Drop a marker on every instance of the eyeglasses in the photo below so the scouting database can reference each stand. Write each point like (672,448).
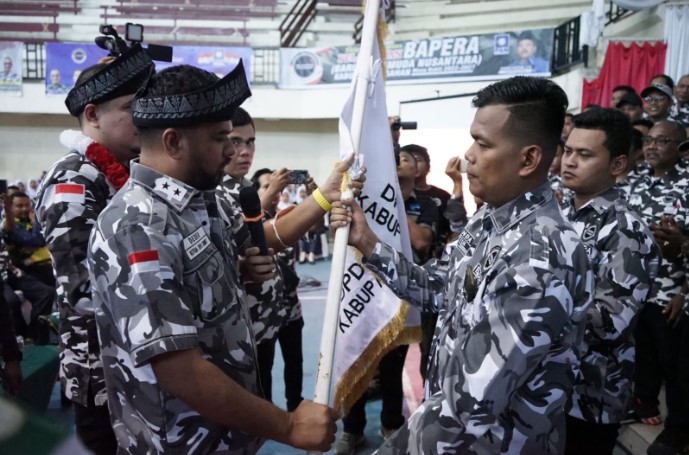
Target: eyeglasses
(660,140)
(240,143)
(658,97)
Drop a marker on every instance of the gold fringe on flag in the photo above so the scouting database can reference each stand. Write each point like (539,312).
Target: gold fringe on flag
(356,379)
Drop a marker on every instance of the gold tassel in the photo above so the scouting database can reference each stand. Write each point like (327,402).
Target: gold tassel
(355,380)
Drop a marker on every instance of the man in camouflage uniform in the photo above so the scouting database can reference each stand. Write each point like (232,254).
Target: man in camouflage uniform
(269,186)
(624,258)
(661,198)
(680,111)
(267,309)
(175,333)
(75,190)
(512,292)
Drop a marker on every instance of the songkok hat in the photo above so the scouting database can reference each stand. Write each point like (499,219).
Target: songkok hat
(684,146)
(629,98)
(662,88)
(124,76)
(215,103)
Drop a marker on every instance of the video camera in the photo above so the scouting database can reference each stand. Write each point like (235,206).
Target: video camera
(134,33)
(398,123)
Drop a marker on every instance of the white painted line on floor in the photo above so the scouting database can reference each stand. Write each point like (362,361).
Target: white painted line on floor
(313,297)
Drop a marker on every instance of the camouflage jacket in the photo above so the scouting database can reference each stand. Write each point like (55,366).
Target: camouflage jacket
(268,310)
(286,261)
(625,260)
(653,197)
(630,179)
(165,276)
(67,219)
(680,114)
(512,293)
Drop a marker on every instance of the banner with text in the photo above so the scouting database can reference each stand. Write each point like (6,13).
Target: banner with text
(65,61)
(471,57)
(11,53)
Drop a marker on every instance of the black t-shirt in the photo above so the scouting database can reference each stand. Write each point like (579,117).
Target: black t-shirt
(423,211)
(442,230)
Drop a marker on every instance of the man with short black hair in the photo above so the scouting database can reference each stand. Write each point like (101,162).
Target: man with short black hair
(663,79)
(680,111)
(618,92)
(643,125)
(657,102)
(527,59)
(631,105)
(176,339)
(512,292)
(72,194)
(661,199)
(624,259)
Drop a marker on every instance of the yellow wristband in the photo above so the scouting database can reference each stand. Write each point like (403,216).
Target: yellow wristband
(322,201)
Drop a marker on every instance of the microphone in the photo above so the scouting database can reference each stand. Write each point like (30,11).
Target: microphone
(253,217)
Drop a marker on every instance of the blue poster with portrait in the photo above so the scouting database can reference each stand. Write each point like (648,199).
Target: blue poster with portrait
(65,62)
(11,53)
(216,59)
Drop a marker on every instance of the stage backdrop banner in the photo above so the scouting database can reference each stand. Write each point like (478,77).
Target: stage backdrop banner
(470,57)
(64,62)
(11,53)
(219,60)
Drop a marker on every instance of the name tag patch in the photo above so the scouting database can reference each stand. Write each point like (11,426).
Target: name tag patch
(465,241)
(195,243)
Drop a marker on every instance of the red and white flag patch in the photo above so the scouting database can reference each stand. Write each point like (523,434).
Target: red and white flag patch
(70,192)
(144,261)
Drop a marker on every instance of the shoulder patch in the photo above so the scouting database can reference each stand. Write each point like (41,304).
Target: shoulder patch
(144,261)
(70,192)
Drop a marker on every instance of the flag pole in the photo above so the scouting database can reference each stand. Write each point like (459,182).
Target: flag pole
(325,361)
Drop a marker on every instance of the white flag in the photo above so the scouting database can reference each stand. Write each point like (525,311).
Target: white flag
(372,320)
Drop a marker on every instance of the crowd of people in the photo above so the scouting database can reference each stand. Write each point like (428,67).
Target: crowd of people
(550,317)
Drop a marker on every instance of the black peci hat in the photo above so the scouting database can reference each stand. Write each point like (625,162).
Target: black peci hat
(217,102)
(124,76)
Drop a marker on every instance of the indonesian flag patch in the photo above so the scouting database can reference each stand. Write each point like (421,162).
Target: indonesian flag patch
(144,261)
(70,192)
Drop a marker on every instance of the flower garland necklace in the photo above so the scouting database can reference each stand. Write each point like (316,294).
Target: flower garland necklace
(113,170)
(98,155)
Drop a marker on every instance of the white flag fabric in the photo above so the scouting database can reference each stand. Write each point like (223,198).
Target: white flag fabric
(372,320)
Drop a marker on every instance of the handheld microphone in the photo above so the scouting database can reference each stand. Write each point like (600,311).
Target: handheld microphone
(253,217)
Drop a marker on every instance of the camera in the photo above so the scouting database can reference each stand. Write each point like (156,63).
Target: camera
(398,123)
(134,33)
(298,177)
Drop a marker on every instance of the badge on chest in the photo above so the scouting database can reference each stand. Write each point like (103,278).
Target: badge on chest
(589,232)
(196,243)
